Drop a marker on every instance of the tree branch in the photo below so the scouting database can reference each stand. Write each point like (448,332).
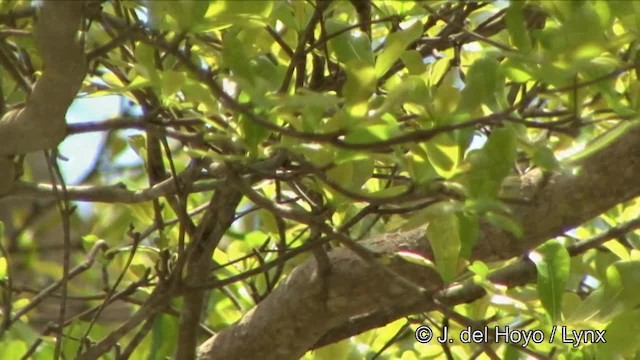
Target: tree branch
(516,274)
(279,328)
(41,123)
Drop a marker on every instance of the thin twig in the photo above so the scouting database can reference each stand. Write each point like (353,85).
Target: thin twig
(65,213)
(100,245)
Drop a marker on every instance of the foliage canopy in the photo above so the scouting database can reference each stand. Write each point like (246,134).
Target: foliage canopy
(330,172)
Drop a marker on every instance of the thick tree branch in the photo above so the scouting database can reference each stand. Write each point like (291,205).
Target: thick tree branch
(296,315)
(41,123)
(516,274)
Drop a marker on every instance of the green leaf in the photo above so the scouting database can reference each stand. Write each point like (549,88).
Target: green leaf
(484,83)
(395,45)
(544,158)
(444,154)
(589,309)
(420,168)
(254,7)
(236,58)
(271,74)
(188,14)
(485,205)
(89,240)
(351,174)
(371,134)
(172,82)
(139,145)
(492,163)
(361,81)
(446,96)
(517,71)
(140,263)
(443,233)
(412,91)
(516,26)
(620,292)
(253,134)
(255,239)
(302,12)
(14,349)
(20,303)
(320,156)
(349,46)
(339,350)
(423,216)
(553,263)
(308,98)
(415,258)
(412,59)
(622,335)
(268,221)
(504,222)
(341,174)
(157,13)
(199,93)
(501,148)
(3,268)
(617,248)
(243,14)
(469,232)
(479,268)
(604,140)
(170,15)
(362,171)
(146,65)
(511,353)
(224,21)
(164,327)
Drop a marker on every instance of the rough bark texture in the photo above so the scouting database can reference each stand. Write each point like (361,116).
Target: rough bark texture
(302,309)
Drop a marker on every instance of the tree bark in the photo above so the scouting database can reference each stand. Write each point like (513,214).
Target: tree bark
(299,312)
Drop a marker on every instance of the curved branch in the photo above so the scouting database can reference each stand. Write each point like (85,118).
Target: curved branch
(41,124)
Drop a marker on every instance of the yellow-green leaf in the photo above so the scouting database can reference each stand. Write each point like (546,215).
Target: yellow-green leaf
(412,59)
(415,258)
(443,153)
(3,268)
(361,81)
(443,233)
(172,82)
(553,263)
(395,45)
(349,45)
(516,26)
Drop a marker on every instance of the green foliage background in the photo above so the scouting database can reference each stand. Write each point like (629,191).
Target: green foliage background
(422,114)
